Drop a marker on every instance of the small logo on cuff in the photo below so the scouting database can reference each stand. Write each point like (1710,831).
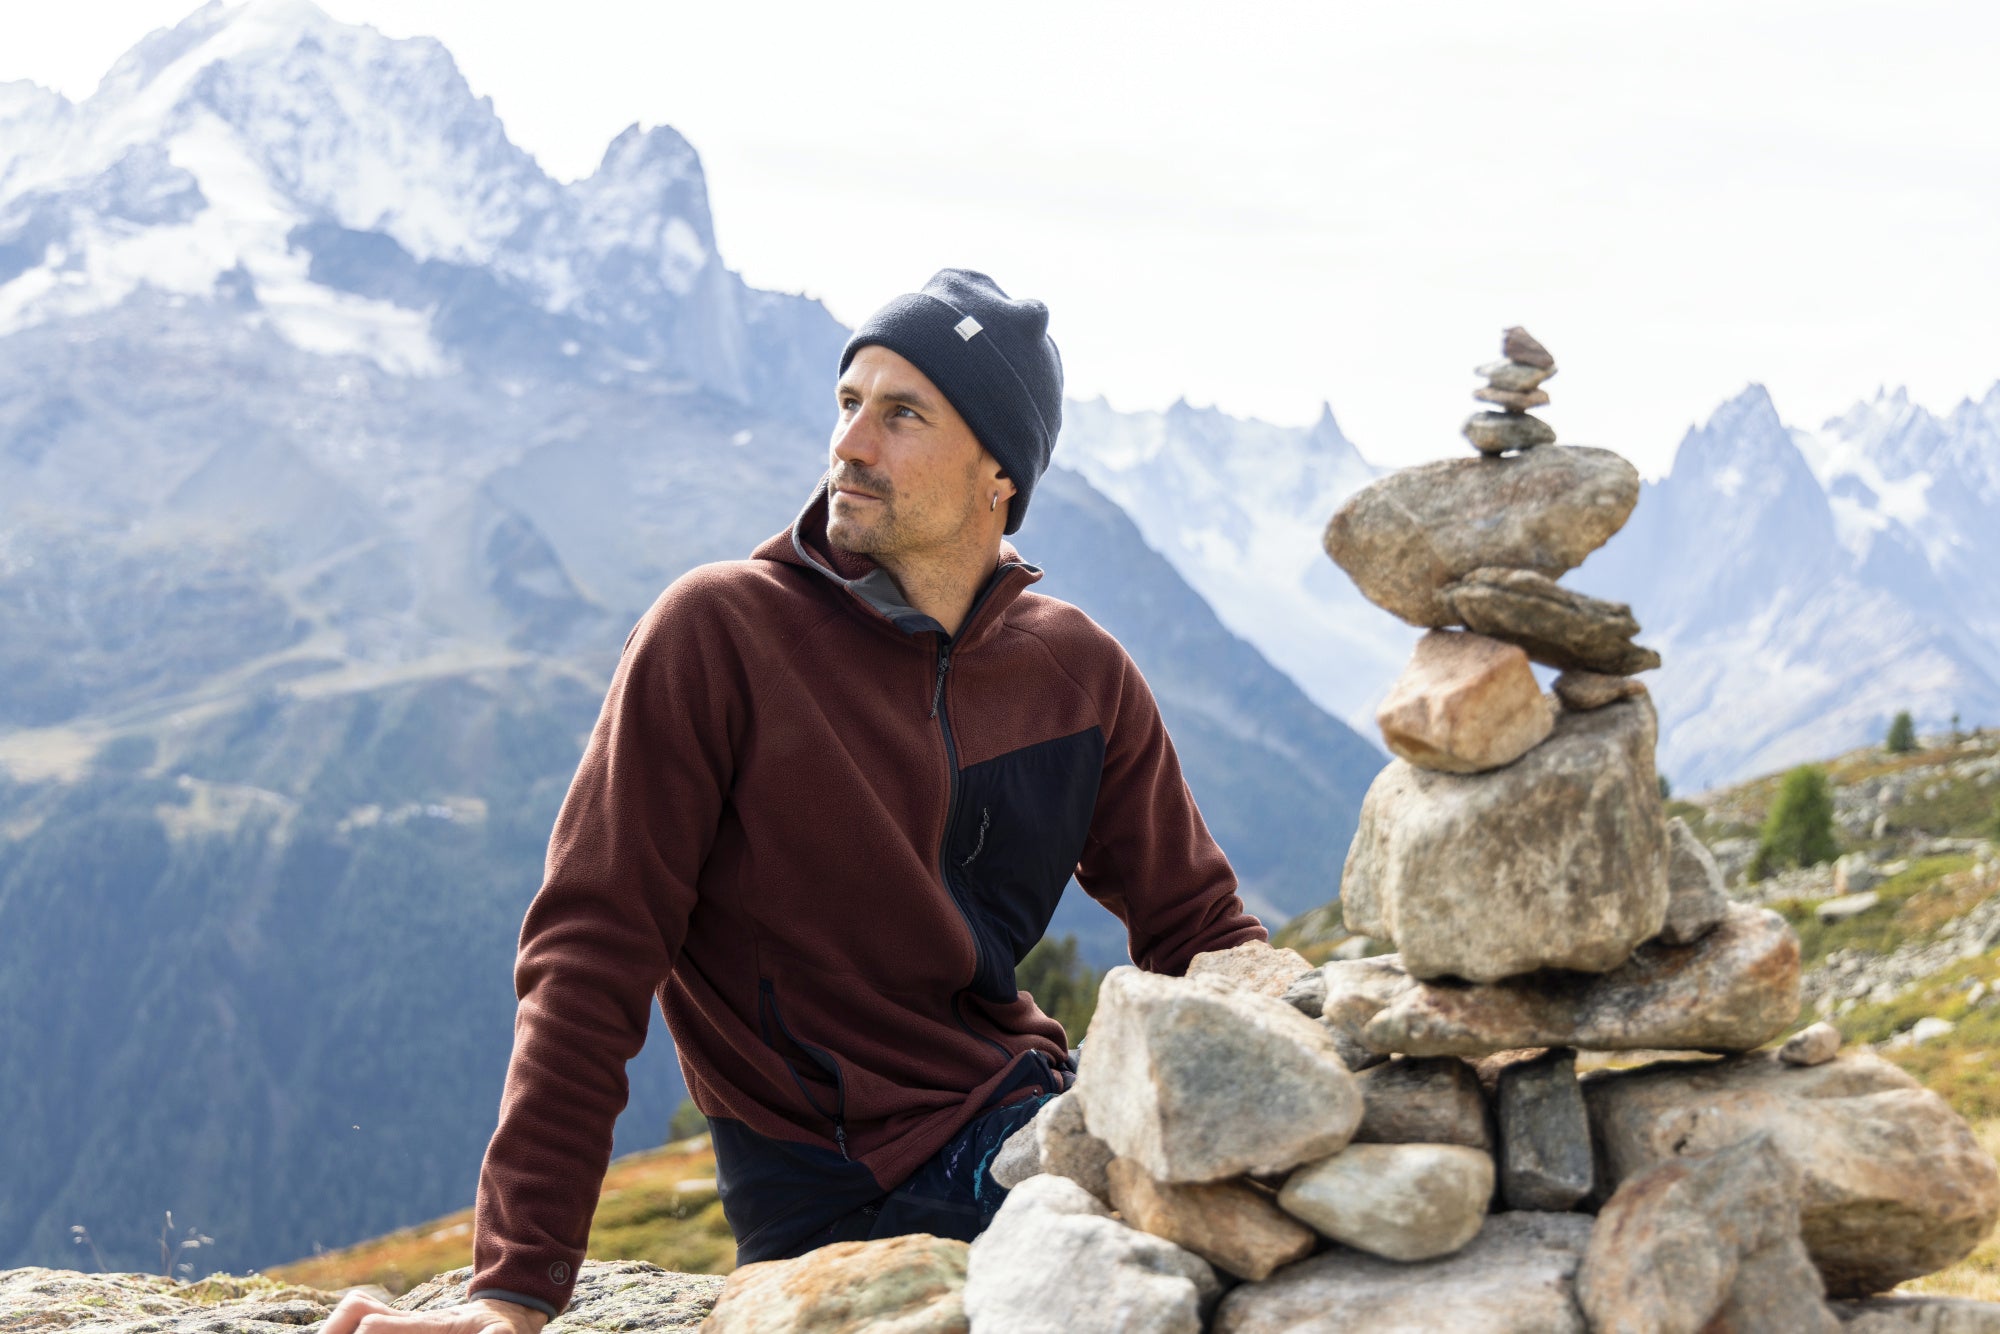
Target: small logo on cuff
(559,1272)
(967,327)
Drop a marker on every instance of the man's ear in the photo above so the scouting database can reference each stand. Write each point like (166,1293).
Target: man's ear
(1001,480)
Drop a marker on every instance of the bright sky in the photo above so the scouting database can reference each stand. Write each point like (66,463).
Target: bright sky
(1266,205)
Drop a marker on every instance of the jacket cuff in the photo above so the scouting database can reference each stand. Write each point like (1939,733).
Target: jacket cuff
(528,1300)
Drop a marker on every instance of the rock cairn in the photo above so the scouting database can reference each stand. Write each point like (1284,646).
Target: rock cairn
(1403,1141)
(1515,383)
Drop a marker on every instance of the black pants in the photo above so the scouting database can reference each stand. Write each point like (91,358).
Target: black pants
(953,1194)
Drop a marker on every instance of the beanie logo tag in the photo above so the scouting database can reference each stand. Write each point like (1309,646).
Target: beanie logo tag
(966,327)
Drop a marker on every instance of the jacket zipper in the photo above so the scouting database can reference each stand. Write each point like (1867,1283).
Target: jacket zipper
(839,1114)
(941,711)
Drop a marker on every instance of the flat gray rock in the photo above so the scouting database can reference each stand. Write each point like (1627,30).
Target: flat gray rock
(1557,626)
(1558,860)
(1515,375)
(1019,1158)
(1516,1277)
(1198,1081)
(1405,537)
(1351,993)
(1696,899)
(1514,400)
(1733,990)
(1054,1261)
(1894,1183)
(1424,1100)
(1544,1133)
(57,1299)
(1918,1315)
(1068,1149)
(1498,432)
(1584,691)
(608,1294)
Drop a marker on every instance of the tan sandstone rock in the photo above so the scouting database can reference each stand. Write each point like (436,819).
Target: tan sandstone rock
(1516,1277)
(1558,860)
(1255,965)
(1693,1238)
(1816,1044)
(1199,1081)
(1465,703)
(1894,1183)
(1234,1227)
(1402,1201)
(901,1285)
(1732,990)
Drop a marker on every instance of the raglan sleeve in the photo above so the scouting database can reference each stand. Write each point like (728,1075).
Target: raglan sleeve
(601,936)
(1149,857)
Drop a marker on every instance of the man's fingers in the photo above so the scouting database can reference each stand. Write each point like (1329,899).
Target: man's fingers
(353,1309)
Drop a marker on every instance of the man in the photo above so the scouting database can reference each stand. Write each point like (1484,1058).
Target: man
(833,797)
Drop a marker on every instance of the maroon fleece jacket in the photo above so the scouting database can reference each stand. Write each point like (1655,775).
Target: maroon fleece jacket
(763,807)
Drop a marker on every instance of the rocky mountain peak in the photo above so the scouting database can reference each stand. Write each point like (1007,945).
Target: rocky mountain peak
(649,195)
(1745,455)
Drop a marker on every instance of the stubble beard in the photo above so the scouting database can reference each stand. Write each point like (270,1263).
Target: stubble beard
(869,535)
(888,531)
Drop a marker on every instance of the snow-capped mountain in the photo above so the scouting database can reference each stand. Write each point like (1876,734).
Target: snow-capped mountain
(1804,586)
(1238,506)
(256,148)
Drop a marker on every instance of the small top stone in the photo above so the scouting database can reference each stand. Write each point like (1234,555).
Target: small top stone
(1517,344)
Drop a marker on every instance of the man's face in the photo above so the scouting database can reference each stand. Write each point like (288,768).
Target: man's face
(909,476)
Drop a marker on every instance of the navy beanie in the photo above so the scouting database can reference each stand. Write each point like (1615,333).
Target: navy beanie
(991,356)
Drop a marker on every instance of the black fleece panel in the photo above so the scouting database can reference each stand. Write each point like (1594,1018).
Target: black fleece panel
(1019,829)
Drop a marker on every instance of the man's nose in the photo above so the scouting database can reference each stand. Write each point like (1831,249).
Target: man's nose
(855,441)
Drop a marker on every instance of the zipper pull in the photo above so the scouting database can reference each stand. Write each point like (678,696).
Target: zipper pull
(840,1138)
(937,693)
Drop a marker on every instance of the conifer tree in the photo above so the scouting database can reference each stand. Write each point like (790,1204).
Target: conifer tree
(1063,984)
(1902,735)
(1799,829)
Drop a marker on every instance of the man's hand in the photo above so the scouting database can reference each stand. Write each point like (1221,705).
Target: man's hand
(358,1314)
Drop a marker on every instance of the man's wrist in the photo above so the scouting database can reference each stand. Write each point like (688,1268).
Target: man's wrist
(526,1319)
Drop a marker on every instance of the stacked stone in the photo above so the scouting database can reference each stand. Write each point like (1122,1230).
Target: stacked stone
(1514,382)
(1403,1141)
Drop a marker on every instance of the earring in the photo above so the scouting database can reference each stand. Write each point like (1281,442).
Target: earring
(994,503)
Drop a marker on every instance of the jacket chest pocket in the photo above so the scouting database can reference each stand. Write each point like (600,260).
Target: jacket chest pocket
(1019,828)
